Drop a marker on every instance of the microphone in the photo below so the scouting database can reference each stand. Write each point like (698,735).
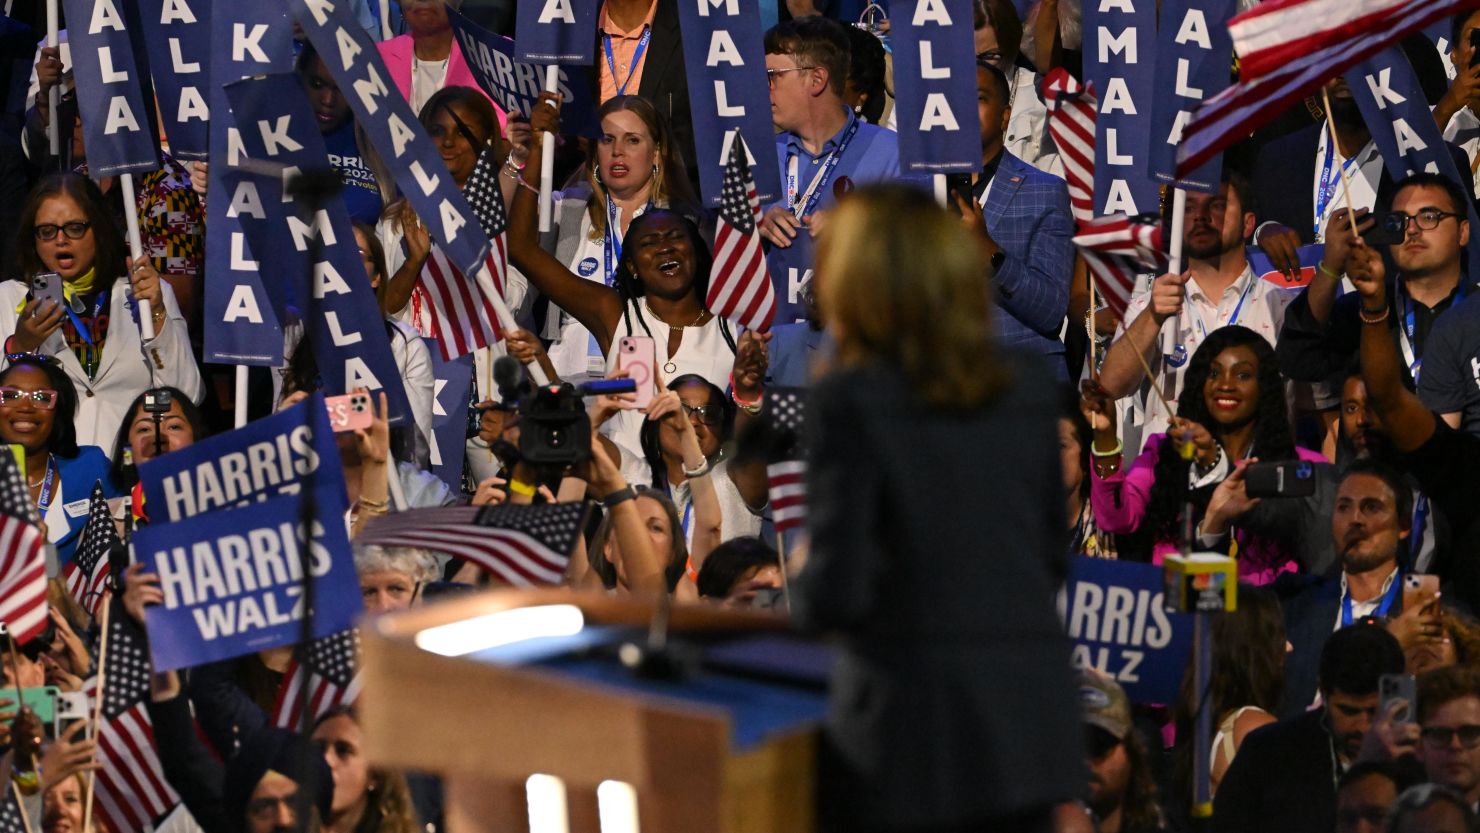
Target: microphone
(508,375)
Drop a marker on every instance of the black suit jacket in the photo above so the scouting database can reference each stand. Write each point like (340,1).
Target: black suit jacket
(1283,177)
(1310,617)
(1281,781)
(938,541)
(664,81)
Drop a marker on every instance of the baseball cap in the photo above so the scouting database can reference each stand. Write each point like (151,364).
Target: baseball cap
(1104,704)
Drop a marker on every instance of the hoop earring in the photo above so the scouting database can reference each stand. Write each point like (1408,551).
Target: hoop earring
(596,173)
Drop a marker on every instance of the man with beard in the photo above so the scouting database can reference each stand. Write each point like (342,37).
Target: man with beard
(1284,777)
(1369,528)
(1321,332)
(1175,313)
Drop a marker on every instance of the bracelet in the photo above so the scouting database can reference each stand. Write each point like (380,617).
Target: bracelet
(1114,452)
(1203,470)
(689,572)
(702,470)
(521,488)
(745,403)
(1377,316)
(29,783)
(621,495)
(1321,267)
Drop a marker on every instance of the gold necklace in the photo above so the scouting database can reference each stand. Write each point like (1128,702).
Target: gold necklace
(702,313)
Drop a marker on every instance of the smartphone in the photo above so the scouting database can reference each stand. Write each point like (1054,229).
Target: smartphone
(42,700)
(1387,231)
(47,286)
(1474,46)
(1287,478)
(71,705)
(1417,587)
(350,412)
(959,184)
(1392,687)
(636,355)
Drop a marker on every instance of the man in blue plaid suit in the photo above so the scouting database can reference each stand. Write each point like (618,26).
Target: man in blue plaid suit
(1030,232)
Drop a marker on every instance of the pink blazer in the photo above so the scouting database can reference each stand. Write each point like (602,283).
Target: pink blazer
(397,54)
(1119,505)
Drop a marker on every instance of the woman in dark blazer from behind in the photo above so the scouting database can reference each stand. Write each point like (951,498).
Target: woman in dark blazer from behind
(937,539)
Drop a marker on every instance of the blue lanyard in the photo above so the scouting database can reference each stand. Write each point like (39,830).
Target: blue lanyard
(688,515)
(1420,518)
(1237,310)
(1408,335)
(611,61)
(77,322)
(48,483)
(1382,609)
(1327,188)
(612,246)
(814,191)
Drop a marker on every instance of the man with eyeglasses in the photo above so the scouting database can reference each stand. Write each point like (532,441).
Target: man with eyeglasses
(1321,331)
(1449,729)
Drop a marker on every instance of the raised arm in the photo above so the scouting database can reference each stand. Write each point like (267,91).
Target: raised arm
(1407,421)
(641,564)
(1121,371)
(592,303)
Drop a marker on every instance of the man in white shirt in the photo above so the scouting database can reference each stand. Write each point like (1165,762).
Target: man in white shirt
(1172,316)
(1456,111)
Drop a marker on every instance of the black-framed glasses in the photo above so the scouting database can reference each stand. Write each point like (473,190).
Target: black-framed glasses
(1439,737)
(45,399)
(773,74)
(1427,219)
(707,414)
(74,230)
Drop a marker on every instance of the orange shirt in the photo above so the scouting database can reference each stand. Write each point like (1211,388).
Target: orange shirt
(624,46)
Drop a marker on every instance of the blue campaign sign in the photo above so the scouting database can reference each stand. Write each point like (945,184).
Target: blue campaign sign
(452,382)
(791,274)
(344,323)
(233,581)
(386,117)
(516,85)
(1193,53)
(935,87)
(178,36)
(1392,102)
(1118,38)
(114,99)
(243,313)
(264,459)
(555,31)
(1114,614)
(725,59)
(1309,257)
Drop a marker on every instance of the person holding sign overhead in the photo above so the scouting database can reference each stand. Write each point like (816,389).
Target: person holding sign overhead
(638,166)
(820,141)
(67,230)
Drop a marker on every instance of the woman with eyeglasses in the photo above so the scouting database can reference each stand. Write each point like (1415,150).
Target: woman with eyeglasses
(66,229)
(37,406)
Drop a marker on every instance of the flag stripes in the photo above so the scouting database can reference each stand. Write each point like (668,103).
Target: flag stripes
(788,493)
(740,284)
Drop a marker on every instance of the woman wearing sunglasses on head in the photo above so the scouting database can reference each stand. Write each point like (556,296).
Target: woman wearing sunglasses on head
(94,333)
(37,405)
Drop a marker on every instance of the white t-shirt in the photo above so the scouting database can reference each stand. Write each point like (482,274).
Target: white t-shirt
(427,77)
(1363,173)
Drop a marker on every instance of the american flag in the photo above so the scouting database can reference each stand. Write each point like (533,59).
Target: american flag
(463,317)
(1134,240)
(1289,48)
(740,285)
(86,575)
(22,556)
(131,788)
(1071,122)
(11,820)
(526,545)
(330,675)
(786,471)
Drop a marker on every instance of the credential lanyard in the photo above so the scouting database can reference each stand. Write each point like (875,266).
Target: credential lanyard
(804,205)
(48,485)
(1237,310)
(1326,187)
(1420,519)
(1407,334)
(613,244)
(611,61)
(1382,609)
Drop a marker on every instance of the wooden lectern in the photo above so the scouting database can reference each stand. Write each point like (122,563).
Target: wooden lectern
(490,689)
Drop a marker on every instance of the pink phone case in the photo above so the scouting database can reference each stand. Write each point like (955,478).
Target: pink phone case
(635,354)
(350,412)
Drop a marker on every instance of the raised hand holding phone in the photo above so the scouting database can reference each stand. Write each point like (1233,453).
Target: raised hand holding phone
(636,360)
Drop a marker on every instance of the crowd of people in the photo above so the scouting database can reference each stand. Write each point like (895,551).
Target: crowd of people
(974,425)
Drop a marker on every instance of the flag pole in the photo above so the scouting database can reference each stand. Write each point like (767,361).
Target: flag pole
(506,320)
(1089,323)
(1179,229)
(136,250)
(54,95)
(942,192)
(1346,189)
(87,807)
(547,159)
(240,403)
(781,558)
(15,674)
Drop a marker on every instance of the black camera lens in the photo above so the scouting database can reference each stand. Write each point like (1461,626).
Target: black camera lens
(555,438)
(1395,223)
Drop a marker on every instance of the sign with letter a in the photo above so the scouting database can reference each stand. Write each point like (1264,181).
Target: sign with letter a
(1193,54)
(726,61)
(117,114)
(935,86)
(555,31)
(178,34)
(1118,38)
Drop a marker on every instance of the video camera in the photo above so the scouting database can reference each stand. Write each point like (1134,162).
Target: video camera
(553,427)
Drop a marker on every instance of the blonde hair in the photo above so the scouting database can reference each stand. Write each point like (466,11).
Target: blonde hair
(899,281)
(670,181)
